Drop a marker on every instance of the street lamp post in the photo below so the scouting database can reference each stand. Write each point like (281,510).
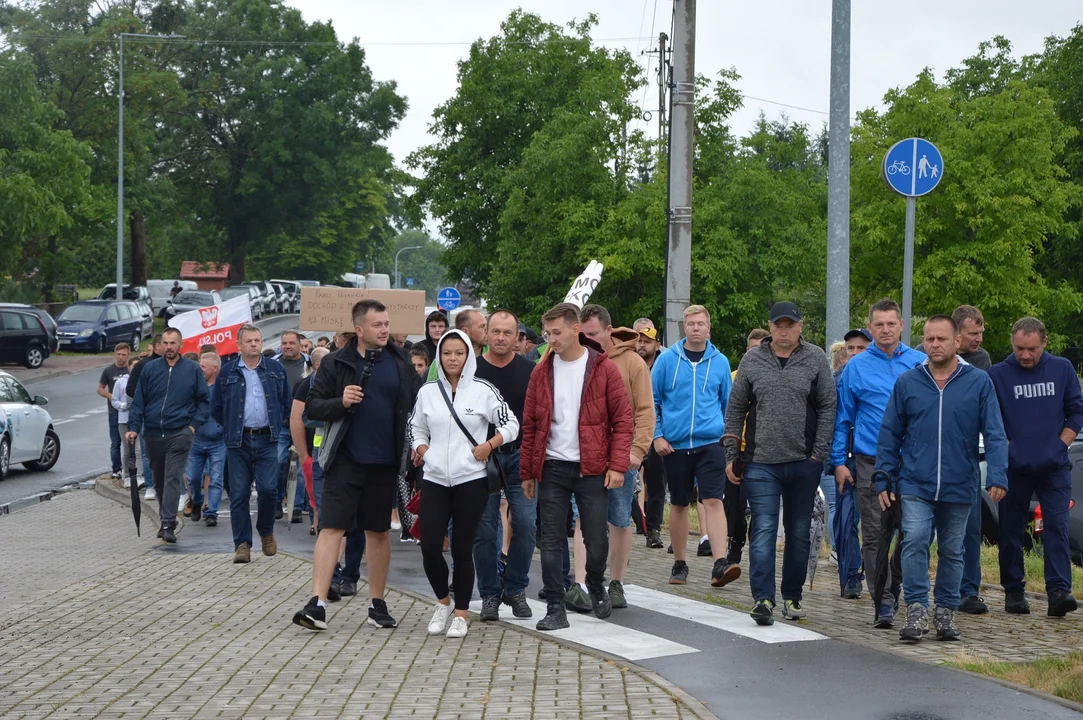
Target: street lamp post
(120,158)
(398,284)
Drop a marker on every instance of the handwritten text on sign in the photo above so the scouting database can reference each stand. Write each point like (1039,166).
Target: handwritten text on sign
(329,308)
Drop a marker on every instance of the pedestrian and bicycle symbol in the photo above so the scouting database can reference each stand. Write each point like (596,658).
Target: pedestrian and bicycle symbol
(913,167)
(448,299)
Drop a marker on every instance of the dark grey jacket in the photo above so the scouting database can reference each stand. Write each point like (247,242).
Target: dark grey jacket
(788,413)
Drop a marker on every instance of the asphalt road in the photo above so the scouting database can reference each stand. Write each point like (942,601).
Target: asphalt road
(79,417)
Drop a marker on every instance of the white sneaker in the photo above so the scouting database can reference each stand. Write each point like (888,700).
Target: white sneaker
(182,503)
(150,494)
(396,526)
(458,628)
(834,559)
(439,618)
(127,482)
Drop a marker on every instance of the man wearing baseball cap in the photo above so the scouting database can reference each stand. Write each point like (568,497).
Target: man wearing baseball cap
(856,341)
(784,396)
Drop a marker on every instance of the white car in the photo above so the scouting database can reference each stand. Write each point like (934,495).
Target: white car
(26,429)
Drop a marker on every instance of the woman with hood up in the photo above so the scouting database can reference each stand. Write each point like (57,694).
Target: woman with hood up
(454,484)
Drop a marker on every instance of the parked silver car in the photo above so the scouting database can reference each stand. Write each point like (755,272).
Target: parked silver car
(189,300)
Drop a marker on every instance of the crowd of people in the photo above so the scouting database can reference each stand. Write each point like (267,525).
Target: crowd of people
(506,442)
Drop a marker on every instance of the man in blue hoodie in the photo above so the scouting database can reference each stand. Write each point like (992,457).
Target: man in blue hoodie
(928,458)
(170,403)
(864,388)
(1043,412)
(692,384)
(208,454)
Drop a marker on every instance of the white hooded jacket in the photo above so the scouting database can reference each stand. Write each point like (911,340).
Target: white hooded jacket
(450,460)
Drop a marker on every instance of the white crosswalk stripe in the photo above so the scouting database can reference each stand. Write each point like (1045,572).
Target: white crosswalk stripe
(79,417)
(717,617)
(594,633)
(61,422)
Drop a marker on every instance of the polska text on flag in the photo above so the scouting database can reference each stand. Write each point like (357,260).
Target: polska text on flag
(215,325)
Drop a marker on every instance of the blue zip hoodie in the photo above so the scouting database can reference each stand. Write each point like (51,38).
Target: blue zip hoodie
(864,388)
(1037,404)
(929,440)
(690,399)
(168,399)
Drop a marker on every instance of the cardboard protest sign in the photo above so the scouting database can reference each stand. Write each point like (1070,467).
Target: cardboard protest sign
(215,325)
(328,309)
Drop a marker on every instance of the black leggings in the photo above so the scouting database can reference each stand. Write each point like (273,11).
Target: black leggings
(464,505)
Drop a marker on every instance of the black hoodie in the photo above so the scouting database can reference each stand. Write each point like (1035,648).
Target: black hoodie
(429,343)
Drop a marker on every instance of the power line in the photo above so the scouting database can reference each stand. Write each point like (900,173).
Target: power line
(776,102)
(317,43)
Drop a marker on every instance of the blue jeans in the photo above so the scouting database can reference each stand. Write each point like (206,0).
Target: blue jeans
(830,489)
(114,442)
(795,484)
(256,460)
(207,457)
(147,478)
(972,553)
(283,463)
(919,518)
(355,550)
(487,543)
(620,501)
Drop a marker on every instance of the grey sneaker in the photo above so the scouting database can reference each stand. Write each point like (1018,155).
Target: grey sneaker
(556,618)
(792,610)
(577,600)
(944,620)
(917,622)
(519,606)
(616,594)
(490,609)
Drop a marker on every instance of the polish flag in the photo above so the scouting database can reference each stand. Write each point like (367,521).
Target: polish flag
(215,325)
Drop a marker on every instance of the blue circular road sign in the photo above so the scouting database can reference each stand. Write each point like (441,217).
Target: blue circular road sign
(913,167)
(448,299)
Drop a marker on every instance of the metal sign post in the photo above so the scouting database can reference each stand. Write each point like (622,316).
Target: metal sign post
(912,168)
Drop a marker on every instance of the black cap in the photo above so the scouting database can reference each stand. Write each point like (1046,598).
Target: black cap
(855,333)
(785,310)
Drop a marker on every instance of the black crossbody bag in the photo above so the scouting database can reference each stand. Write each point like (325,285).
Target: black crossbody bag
(494,473)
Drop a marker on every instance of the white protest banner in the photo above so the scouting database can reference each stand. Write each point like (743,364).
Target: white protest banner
(584,285)
(215,325)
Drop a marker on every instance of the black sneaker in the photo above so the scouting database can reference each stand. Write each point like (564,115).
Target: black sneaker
(161,531)
(973,605)
(334,593)
(168,535)
(1015,602)
(724,572)
(763,612)
(600,603)
(520,608)
(541,593)
(490,609)
(347,588)
(297,517)
(197,512)
(556,617)
(379,616)
(679,574)
(704,549)
(212,521)
(312,616)
(654,540)
(669,550)
(917,623)
(944,620)
(852,592)
(733,552)
(1061,602)
(616,594)
(278,511)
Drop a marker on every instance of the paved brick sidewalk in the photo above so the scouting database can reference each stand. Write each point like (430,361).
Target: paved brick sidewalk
(116,627)
(995,636)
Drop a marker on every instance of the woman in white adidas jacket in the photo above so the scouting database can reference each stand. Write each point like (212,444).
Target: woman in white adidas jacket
(454,474)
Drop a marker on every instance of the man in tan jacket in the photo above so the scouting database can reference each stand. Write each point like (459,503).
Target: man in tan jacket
(620,347)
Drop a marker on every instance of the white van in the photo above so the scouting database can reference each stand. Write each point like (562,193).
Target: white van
(378,281)
(161,292)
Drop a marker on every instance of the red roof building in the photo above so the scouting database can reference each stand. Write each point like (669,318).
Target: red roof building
(208,276)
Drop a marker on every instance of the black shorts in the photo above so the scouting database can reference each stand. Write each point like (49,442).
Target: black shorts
(704,467)
(358,496)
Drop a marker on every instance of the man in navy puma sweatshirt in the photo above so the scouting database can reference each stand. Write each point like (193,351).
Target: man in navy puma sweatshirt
(1042,405)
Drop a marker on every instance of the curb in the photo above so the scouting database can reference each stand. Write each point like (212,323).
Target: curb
(148,510)
(695,707)
(1063,702)
(74,482)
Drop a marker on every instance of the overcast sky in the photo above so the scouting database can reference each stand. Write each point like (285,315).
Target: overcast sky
(781,48)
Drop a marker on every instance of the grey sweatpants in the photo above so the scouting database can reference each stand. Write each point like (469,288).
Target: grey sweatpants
(868,505)
(168,456)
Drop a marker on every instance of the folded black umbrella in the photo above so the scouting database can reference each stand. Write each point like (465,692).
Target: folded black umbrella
(133,482)
(890,523)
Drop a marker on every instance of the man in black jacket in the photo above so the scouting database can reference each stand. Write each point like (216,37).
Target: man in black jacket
(129,390)
(365,393)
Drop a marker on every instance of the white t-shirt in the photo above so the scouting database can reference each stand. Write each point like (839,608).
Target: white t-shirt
(568,380)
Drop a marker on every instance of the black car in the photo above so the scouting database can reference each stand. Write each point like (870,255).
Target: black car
(46,319)
(23,338)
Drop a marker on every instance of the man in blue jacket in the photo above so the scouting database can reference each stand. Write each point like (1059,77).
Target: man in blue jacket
(252,402)
(692,384)
(1043,412)
(170,403)
(928,459)
(208,454)
(863,391)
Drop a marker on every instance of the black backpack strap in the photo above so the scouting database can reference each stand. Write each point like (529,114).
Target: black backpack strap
(455,415)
